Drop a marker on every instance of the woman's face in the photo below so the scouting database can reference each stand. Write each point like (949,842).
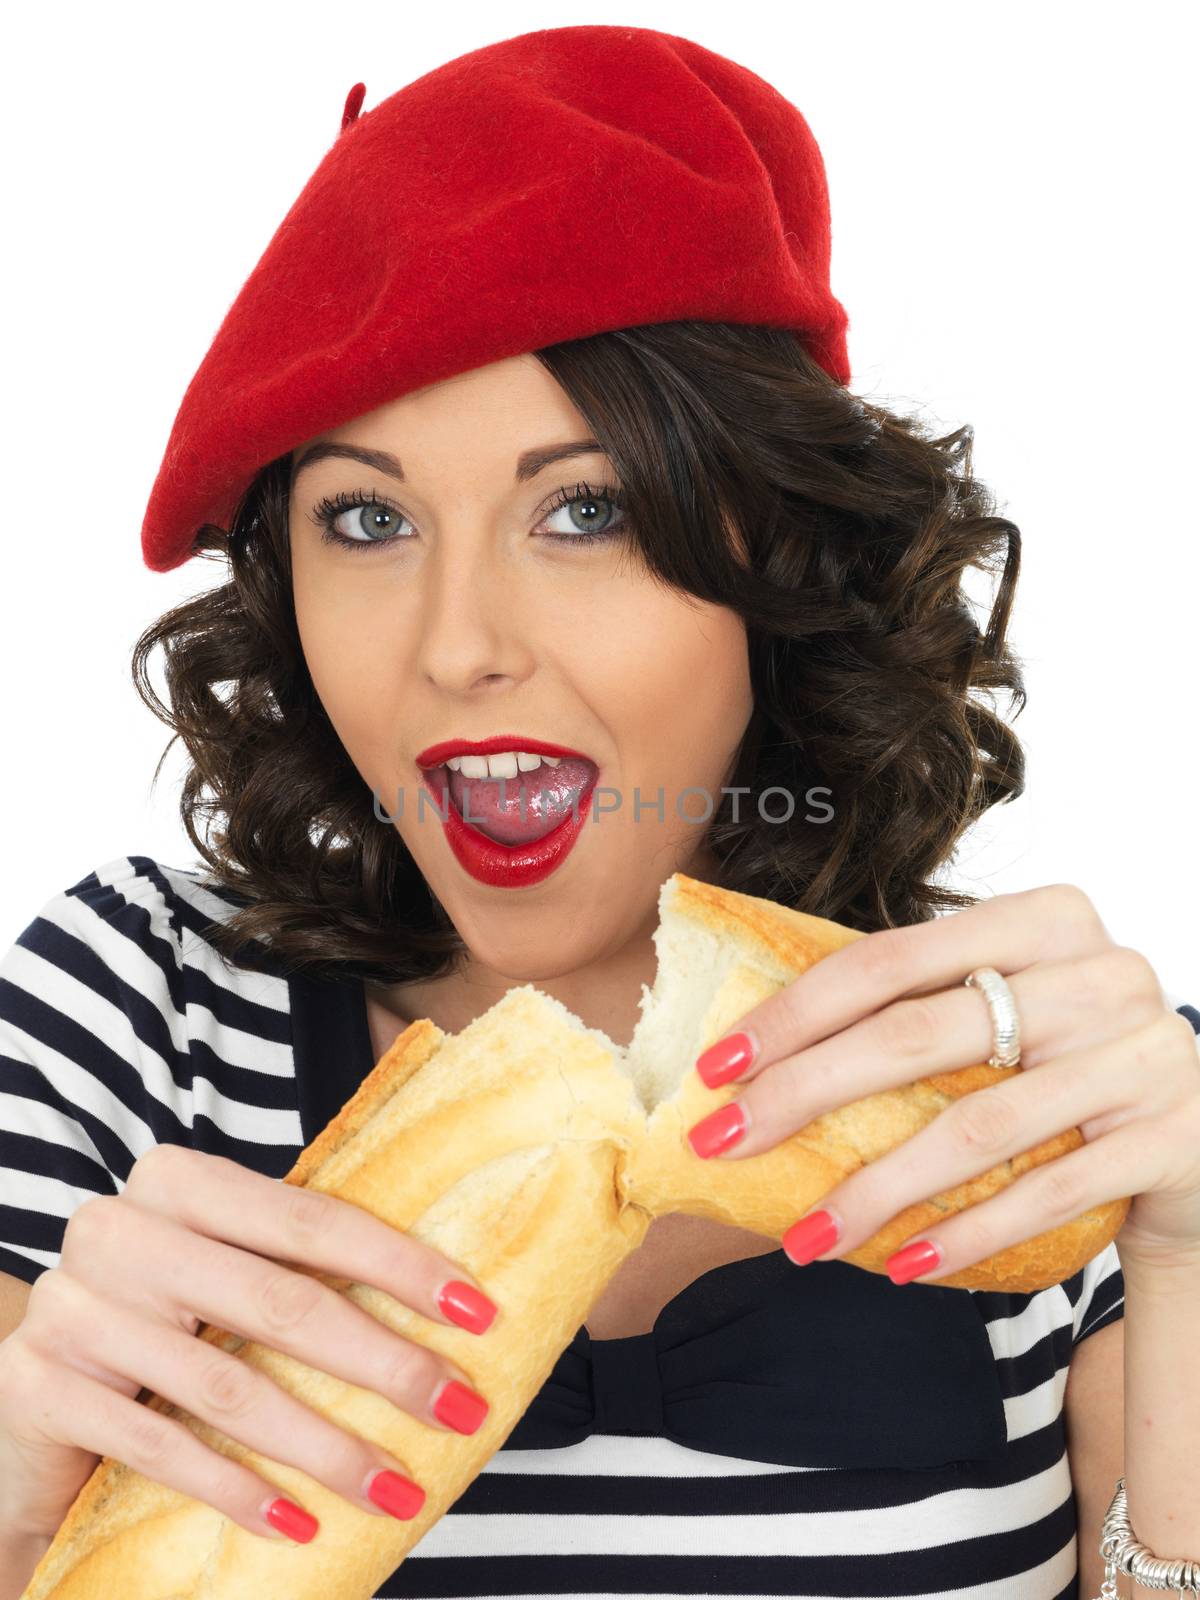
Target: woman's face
(456,615)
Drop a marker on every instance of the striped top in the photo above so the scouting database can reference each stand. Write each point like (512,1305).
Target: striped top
(121,1027)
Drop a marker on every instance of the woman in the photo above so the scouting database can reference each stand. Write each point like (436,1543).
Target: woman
(606,502)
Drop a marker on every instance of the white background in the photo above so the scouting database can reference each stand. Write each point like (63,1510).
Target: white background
(1011,184)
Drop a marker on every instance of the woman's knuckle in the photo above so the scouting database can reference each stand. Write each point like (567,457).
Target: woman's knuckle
(411,1264)
(346,1460)
(1116,982)
(973,1236)
(150,1442)
(228,1386)
(94,1221)
(1183,1038)
(883,956)
(51,1290)
(161,1166)
(1174,1044)
(1146,1050)
(1068,904)
(55,1313)
(1143,976)
(1092,981)
(784,1015)
(1062,1197)
(309,1216)
(235,1489)
(1130,974)
(775,1093)
(909,1028)
(286,1298)
(405,1368)
(985,1121)
(23,1372)
(800,1085)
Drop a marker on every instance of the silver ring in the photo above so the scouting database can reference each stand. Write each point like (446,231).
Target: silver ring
(1002,1007)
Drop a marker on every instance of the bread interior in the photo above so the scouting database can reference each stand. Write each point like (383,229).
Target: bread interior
(693,964)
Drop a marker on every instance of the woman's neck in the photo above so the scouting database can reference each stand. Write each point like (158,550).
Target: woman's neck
(604,994)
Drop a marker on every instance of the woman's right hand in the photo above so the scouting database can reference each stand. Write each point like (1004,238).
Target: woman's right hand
(188,1241)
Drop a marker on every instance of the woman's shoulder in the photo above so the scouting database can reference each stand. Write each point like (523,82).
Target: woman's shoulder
(138,929)
(122,1027)
(119,889)
(146,898)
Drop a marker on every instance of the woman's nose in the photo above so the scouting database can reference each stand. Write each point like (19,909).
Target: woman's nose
(473,628)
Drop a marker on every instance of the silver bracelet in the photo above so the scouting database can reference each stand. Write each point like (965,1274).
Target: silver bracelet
(1123,1552)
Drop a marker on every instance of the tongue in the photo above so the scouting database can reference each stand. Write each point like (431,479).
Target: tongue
(521,809)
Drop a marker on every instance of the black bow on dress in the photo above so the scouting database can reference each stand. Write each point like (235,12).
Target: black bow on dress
(825,1366)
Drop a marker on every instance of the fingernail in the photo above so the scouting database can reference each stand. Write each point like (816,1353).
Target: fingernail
(290,1519)
(726,1059)
(720,1130)
(395,1494)
(913,1260)
(460,1407)
(810,1237)
(464,1304)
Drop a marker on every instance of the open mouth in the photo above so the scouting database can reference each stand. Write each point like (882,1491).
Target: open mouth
(519,810)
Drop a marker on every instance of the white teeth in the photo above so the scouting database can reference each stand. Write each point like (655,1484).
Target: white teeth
(505,764)
(473,766)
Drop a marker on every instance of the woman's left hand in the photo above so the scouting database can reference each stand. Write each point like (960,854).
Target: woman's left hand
(1101,1048)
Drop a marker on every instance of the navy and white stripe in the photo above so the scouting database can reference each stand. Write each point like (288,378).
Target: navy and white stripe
(121,1027)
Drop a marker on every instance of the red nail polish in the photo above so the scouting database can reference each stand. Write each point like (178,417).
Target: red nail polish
(396,1494)
(810,1237)
(460,1407)
(912,1261)
(287,1516)
(718,1131)
(464,1304)
(725,1059)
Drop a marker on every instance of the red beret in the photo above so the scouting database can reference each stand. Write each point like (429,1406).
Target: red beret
(553,185)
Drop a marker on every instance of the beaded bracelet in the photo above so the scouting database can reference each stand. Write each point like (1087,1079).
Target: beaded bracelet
(1123,1552)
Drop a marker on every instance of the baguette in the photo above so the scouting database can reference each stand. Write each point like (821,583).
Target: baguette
(535,1152)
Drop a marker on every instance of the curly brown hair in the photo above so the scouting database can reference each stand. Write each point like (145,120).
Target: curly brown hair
(839,530)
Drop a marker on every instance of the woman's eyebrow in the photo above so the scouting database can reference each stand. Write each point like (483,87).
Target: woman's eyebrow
(529,463)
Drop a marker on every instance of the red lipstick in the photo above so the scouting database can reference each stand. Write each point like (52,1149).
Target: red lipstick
(439,753)
(486,859)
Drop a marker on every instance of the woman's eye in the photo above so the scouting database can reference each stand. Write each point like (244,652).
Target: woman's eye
(362,524)
(585,514)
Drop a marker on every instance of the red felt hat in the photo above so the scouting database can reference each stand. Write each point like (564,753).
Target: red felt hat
(553,185)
